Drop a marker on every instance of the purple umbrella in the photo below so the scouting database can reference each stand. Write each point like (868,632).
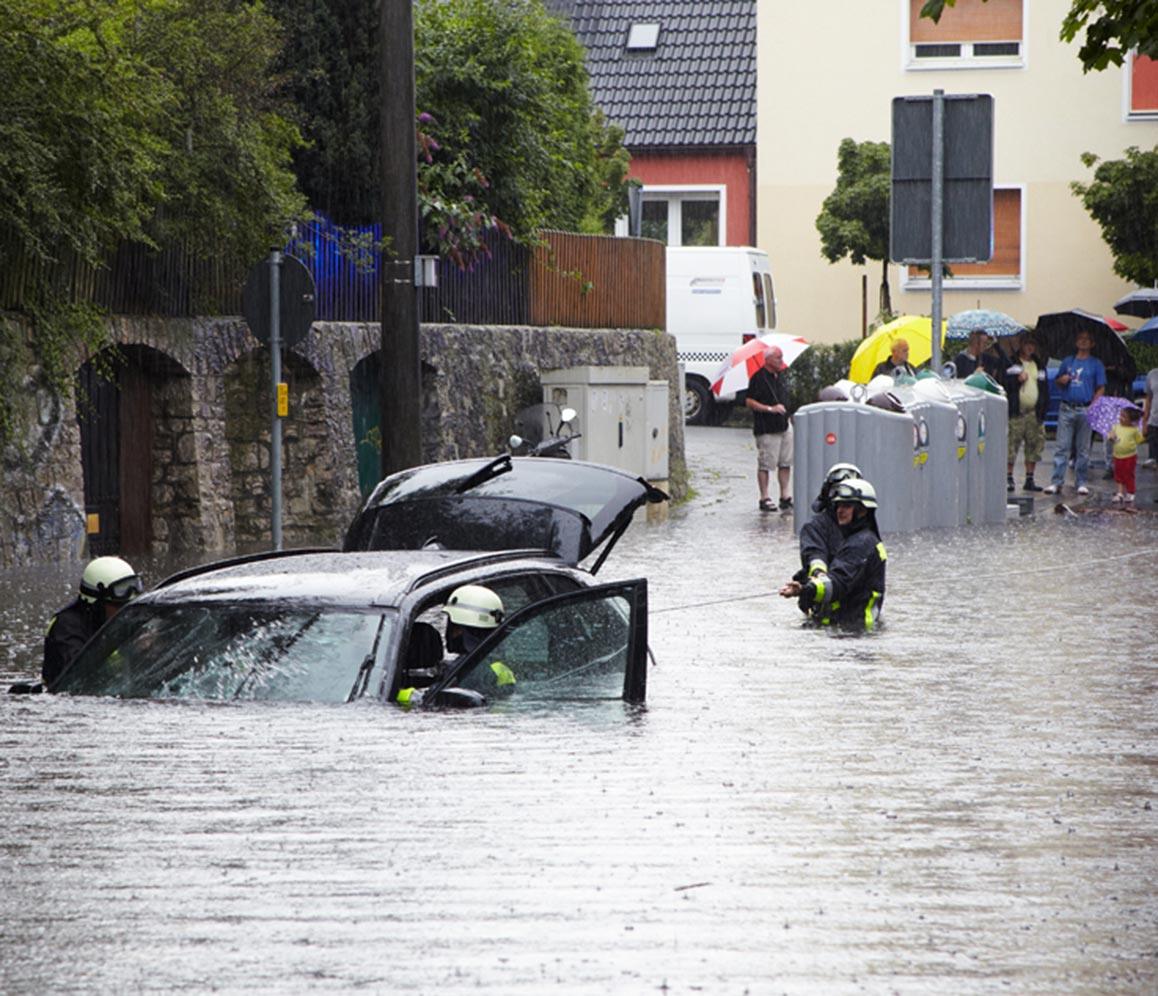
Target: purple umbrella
(1104,411)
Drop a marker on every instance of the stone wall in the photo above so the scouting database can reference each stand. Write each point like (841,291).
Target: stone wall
(40,475)
(210,441)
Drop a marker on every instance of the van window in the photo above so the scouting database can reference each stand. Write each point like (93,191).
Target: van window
(771,299)
(758,290)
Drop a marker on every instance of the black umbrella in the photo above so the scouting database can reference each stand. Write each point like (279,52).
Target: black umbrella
(1141,303)
(1055,336)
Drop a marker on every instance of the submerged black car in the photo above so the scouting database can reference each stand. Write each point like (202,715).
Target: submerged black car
(334,626)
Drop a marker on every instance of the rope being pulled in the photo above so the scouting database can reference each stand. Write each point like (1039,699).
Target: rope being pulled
(1150,550)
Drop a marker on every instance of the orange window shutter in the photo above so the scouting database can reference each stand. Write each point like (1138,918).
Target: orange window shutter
(1006,261)
(1143,84)
(968,21)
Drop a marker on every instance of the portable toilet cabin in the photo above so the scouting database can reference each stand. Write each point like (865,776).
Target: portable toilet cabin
(879,442)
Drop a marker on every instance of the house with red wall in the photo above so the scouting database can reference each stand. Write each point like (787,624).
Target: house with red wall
(680,79)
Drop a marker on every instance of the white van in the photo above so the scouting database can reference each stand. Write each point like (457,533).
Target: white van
(717,297)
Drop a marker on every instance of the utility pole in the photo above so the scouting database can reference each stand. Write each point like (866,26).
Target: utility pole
(401,379)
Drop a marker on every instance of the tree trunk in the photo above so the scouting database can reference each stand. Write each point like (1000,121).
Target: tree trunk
(886,298)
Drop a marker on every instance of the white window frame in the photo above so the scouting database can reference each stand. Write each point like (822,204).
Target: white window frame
(675,194)
(1128,113)
(966,60)
(1003,282)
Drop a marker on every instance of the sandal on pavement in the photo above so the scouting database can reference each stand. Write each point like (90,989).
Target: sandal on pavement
(767,505)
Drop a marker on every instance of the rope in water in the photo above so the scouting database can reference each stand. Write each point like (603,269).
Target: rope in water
(945,578)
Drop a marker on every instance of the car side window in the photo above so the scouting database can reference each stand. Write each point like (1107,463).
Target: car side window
(569,649)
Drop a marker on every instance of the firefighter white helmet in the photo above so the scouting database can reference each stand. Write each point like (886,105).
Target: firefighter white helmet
(855,491)
(109,579)
(476,606)
(841,472)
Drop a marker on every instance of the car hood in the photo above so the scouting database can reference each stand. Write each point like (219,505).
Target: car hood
(567,507)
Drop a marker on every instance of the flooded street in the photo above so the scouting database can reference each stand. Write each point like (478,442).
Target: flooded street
(965,802)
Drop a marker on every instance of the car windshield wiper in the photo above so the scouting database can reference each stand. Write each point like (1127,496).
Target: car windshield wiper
(362,678)
(499,465)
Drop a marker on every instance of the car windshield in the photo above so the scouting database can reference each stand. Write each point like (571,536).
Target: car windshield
(243,651)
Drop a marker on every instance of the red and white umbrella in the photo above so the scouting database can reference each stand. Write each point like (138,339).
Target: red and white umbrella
(734,375)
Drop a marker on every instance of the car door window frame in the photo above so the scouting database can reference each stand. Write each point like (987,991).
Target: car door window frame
(634,592)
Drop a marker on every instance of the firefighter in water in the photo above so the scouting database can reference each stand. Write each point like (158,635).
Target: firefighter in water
(107,585)
(851,593)
(820,536)
(472,612)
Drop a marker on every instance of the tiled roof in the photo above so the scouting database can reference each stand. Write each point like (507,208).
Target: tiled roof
(696,89)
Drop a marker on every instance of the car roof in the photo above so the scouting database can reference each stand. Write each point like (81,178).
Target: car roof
(355,579)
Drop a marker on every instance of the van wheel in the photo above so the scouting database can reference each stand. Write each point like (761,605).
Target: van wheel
(697,402)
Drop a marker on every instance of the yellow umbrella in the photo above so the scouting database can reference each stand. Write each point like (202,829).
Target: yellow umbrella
(915,329)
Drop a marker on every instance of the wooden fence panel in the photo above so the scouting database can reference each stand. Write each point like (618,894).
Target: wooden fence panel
(598,281)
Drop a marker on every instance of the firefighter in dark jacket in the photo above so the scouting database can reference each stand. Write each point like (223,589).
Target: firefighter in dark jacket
(820,536)
(107,584)
(851,594)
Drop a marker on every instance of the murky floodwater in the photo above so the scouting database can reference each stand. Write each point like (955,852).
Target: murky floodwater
(964,803)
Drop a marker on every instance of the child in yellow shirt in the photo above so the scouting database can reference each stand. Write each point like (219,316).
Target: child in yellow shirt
(1126,436)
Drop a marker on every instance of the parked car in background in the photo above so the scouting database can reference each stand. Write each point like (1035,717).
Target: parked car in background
(336,626)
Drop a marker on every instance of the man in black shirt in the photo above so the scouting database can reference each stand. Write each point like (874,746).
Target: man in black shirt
(768,401)
(977,355)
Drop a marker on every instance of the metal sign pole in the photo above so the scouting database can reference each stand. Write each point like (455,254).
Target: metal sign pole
(275,366)
(938,233)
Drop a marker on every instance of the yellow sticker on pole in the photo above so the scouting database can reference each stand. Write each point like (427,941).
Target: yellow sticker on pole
(282,400)
(92,523)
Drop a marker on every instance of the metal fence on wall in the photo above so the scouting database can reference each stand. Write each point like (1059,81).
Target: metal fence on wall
(569,280)
(137,280)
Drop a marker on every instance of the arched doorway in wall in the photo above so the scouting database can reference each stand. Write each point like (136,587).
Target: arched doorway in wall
(128,425)
(366,406)
(310,498)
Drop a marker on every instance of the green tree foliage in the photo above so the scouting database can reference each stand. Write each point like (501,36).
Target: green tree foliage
(854,219)
(1112,28)
(508,135)
(151,121)
(331,68)
(505,84)
(1123,200)
(147,120)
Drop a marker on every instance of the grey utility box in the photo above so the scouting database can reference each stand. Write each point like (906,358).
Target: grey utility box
(658,424)
(937,496)
(982,438)
(994,434)
(622,416)
(939,430)
(879,442)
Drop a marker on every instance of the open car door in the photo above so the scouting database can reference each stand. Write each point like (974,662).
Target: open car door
(567,507)
(585,644)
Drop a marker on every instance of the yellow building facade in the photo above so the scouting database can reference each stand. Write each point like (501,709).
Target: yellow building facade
(827,71)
